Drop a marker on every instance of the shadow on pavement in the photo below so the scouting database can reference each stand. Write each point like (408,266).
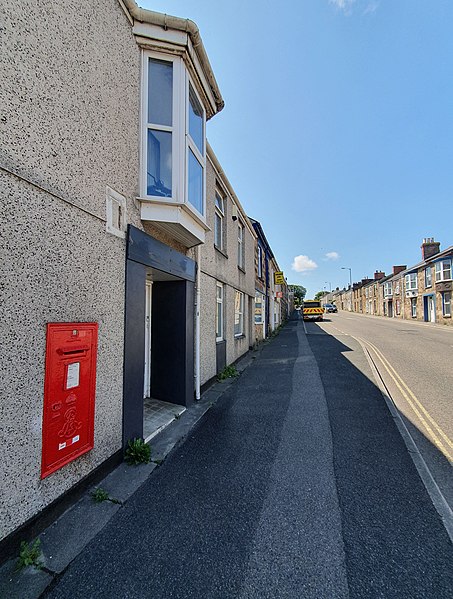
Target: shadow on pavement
(396,545)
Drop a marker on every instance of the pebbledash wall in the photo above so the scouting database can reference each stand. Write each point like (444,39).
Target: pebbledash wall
(220,270)
(69,129)
(69,137)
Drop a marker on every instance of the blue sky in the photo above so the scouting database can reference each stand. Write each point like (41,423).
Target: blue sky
(337,131)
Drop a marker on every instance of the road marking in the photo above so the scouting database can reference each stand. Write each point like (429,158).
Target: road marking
(414,403)
(417,407)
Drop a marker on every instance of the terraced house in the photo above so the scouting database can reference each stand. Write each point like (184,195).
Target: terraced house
(421,292)
(128,276)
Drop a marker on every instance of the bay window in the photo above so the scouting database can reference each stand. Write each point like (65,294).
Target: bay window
(443,270)
(411,282)
(174,147)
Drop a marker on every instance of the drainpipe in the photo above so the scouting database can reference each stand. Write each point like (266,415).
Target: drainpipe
(197,324)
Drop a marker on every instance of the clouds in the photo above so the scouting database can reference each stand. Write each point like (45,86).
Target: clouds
(303,264)
(332,256)
(346,6)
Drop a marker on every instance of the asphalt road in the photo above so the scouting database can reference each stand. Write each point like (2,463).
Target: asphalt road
(415,362)
(296,484)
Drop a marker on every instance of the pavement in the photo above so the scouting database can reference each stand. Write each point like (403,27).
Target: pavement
(290,481)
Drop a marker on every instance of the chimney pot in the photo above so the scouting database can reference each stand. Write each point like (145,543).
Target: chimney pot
(429,247)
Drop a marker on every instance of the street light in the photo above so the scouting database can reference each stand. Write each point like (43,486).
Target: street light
(350,274)
(330,293)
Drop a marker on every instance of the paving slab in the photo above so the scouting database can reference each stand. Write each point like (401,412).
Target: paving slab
(28,583)
(68,536)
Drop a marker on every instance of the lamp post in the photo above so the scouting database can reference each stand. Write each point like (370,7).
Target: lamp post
(350,285)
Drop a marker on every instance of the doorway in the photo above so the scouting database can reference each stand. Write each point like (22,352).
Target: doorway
(429,308)
(159,330)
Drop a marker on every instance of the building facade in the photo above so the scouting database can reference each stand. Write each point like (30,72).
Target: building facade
(117,220)
(421,292)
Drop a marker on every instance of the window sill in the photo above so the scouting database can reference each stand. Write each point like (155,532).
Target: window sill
(241,336)
(446,315)
(224,254)
(241,269)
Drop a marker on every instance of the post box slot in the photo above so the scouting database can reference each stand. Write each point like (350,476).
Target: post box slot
(72,351)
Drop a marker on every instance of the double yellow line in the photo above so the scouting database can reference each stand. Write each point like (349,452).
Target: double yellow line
(436,434)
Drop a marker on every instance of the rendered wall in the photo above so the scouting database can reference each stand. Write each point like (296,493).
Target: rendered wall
(64,65)
(223,267)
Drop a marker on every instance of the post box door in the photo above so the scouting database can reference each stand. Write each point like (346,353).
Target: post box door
(69,393)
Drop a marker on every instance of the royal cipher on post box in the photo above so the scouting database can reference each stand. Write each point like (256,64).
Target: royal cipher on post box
(69,393)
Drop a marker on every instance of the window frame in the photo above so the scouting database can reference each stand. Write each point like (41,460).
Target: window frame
(240,244)
(441,271)
(191,146)
(182,141)
(444,304)
(388,289)
(219,216)
(219,322)
(260,261)
(411,277)
(239,309)
(413,307)
(429,270)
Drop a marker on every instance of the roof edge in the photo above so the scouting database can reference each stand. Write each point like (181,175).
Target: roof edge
(179,24)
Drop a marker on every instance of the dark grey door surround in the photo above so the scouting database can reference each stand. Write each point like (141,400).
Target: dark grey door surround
(173,328)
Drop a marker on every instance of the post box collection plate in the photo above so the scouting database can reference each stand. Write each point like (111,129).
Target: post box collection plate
(69,393)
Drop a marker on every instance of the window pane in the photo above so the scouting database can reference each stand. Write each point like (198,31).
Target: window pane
(159,164)
(160,92)
(195,183)
(218,231)
(195,120)
(219,202)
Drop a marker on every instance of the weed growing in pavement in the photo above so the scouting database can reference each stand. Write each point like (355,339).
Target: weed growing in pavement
(29,555)
(137,452)
(228,372)
(100,495)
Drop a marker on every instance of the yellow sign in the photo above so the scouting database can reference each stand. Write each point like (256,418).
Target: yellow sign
(279,279)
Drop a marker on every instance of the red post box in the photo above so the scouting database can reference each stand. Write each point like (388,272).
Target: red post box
(69,391)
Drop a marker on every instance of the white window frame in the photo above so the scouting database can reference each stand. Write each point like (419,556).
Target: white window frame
(241,231)
(429,270)
(259,296)
(414,307)
(388,289)
(192,146)
(219,217)
(239,307)
(443,267)
(411,282)
(260,261)
(446,313)
(219,323)
(181,139)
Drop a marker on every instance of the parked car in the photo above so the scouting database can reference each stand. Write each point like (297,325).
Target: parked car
(330,308)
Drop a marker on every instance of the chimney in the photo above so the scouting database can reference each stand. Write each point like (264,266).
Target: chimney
(398,269)
(429,247)
(379,275)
